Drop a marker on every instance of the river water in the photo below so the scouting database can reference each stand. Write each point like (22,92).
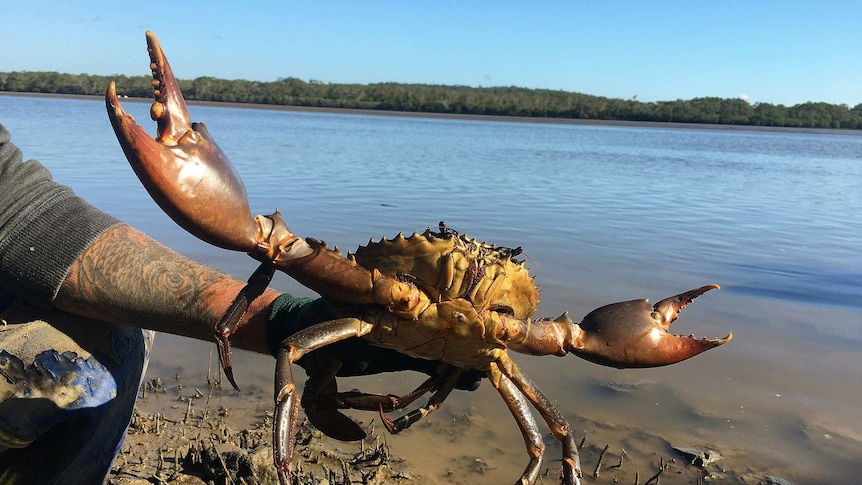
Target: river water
(604,214)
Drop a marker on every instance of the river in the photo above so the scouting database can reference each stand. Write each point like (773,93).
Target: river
(604,214)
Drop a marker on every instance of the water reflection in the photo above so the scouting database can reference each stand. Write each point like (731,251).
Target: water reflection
(819,286)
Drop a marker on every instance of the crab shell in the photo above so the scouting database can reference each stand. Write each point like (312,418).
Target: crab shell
(467,281)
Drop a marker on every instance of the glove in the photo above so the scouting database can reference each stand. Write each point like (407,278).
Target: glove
(290,314)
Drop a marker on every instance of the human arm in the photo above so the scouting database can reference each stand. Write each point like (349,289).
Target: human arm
(58,251)
(125,276)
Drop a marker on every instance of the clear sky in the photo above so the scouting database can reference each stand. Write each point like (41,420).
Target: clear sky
(781,52)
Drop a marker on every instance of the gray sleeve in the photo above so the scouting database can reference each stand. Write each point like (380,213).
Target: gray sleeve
(44,226)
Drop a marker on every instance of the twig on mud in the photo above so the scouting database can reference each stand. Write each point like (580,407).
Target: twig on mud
(599,463)
(210,368)
(623,454)
(188,412)
(655,478)
(207,404)
(161,463)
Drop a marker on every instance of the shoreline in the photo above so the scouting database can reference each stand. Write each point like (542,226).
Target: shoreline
(466,117)
(197,433)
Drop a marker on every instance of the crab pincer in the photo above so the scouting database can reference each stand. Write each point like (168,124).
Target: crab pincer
(183,168)
(635,334)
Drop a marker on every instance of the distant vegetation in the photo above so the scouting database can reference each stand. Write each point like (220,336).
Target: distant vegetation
(498,101)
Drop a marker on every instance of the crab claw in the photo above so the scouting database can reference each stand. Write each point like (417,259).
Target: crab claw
(183,169)
(635,334)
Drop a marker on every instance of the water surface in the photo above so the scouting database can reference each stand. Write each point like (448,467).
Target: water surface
(604,214)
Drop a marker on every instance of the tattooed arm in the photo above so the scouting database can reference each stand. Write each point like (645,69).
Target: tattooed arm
(58,251)
(124,276)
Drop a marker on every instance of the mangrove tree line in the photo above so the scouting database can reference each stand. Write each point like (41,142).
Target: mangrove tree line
(498,101)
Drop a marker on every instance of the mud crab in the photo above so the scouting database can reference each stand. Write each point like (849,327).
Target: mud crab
(438,295)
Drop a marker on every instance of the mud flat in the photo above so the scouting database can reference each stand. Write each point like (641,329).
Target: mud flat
(185,435)
(198,433)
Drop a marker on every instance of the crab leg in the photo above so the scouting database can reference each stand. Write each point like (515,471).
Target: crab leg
(571,464)
(286,402)
(321,402)
(404,422)
(520,409)
(388,403)
(257,283)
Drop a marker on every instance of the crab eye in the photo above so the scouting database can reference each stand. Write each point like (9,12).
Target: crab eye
(504,310)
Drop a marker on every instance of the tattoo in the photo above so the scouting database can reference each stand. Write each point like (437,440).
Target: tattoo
(127,277)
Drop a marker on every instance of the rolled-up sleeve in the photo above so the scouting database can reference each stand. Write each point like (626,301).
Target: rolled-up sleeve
(44,227)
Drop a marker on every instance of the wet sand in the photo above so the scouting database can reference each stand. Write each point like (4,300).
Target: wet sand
(187,412)
(191,435)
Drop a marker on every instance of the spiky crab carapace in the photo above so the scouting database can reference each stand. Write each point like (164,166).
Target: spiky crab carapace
(438,295)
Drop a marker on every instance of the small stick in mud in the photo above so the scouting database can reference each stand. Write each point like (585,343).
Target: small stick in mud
(161,463)
(655,478)
(599,463)
(210,368)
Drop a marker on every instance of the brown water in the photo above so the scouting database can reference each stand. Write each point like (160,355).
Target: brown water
(604,214)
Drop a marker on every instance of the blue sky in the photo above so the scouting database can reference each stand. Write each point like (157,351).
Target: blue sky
(782,52)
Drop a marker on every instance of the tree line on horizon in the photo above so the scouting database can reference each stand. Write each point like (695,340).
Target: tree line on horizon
(427,98)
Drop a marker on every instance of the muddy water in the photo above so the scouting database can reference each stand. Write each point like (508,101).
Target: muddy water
(604,214)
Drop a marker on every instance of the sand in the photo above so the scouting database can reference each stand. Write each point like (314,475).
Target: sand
(197,433)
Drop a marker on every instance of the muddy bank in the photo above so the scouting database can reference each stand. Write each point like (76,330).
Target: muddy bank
(198,433)
(186,436)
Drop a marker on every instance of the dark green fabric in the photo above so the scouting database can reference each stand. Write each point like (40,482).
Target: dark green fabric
(44,226)
(290,314)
